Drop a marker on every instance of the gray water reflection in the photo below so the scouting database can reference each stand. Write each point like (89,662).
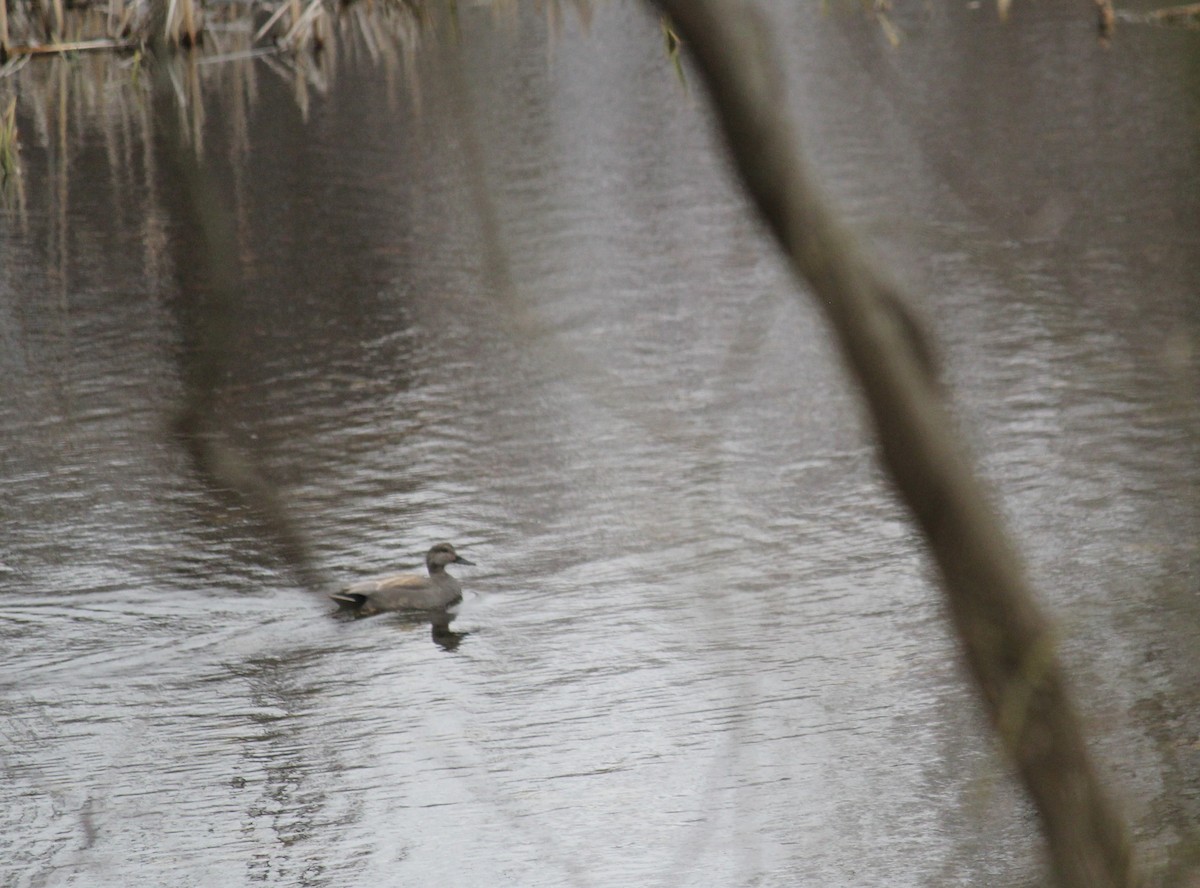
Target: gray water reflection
(701,645)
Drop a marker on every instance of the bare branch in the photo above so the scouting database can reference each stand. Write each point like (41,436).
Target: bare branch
(1007,642)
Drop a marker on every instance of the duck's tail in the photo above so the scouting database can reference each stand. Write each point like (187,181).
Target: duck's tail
(349,599)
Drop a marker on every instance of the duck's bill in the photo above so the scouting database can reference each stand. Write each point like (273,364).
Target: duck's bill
(458,559)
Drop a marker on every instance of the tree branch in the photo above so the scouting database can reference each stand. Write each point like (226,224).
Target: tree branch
(1006,640)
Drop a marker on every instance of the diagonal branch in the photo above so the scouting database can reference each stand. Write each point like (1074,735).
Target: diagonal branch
(1006,640)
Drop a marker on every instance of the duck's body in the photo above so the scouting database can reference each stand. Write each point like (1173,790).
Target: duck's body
(408,592)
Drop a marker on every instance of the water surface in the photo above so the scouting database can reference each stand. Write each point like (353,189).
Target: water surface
(525,309)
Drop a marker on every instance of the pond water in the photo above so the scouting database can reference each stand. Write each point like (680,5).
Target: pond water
(512,299)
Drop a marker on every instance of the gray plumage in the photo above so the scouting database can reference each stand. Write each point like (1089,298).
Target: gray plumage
(411,592)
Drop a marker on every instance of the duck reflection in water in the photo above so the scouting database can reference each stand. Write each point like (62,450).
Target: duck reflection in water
(426,598)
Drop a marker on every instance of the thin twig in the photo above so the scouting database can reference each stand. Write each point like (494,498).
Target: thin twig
(279,11)
(253,53)
(311,11)
(78,46)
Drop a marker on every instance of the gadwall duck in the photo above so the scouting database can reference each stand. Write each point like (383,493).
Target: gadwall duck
(410,592)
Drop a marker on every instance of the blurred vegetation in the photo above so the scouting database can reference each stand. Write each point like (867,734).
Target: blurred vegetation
(45,27)
(8,140)
(73,66)
(83,61)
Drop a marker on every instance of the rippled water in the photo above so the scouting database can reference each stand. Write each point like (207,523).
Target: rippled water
(701,645)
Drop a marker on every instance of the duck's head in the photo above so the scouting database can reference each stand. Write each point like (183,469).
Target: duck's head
(442,554)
